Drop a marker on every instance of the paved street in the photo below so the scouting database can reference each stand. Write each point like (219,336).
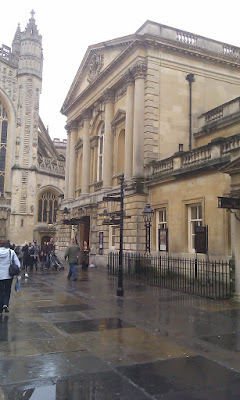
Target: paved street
(66,340)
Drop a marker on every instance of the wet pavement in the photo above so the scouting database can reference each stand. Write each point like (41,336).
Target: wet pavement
(77,340)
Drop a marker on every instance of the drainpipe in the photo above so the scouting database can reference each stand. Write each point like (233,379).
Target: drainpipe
(190,79)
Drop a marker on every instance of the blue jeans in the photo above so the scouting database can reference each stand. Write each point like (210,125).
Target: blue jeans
(72,271)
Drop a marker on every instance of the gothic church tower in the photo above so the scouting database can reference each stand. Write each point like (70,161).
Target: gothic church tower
(20,88)
(27,48)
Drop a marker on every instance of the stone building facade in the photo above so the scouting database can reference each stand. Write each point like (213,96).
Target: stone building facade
(32,166)
(162,107)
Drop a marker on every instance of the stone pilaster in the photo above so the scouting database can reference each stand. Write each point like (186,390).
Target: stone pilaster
(109,97)
(129,81)
(139,73)
(94,149)
(72,161)
(67,164)
(86,116)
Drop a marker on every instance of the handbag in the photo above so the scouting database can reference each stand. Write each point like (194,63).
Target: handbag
(13,268)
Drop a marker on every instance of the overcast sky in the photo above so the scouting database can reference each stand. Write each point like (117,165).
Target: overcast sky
(69,27)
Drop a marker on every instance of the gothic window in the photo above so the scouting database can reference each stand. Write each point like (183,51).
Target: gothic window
(100,153)
(47,207)
(3,143)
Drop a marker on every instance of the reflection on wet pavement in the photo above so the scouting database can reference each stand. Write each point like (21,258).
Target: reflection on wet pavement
(77,340)
(92,325)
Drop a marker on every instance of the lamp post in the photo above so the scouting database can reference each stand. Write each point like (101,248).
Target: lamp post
(148,216)
(116,218)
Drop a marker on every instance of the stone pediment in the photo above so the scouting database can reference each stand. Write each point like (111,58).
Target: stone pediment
(95,62)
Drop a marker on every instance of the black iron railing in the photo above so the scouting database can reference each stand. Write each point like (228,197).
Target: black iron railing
(213,279)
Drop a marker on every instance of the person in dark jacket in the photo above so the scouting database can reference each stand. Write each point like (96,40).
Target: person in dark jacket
(72,254)
(85,255)
(50,249)
(6,255)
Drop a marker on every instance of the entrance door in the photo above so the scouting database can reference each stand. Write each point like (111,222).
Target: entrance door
(84,230)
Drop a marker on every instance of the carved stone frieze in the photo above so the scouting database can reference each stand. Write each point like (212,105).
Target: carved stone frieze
(120,92)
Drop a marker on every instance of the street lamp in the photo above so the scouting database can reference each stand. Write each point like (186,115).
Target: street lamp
(65,213)
(148,216)
(116,218)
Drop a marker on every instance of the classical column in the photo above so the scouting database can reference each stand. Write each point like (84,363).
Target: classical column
(139,73)
(67,163)
(86,116)
(129,125)
(108,138)
(72,161)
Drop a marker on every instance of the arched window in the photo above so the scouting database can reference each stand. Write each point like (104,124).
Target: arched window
(100,153)
(3,145)
(47,207)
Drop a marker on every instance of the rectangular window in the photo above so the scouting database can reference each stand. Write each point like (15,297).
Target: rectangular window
(194,219)
(112,236)
(162,231)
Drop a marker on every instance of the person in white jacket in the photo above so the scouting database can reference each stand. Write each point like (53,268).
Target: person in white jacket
(5,278)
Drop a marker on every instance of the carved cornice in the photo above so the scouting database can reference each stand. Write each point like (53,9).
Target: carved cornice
(109,96)
(139,70)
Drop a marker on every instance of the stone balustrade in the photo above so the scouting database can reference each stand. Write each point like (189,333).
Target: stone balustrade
(192,40)
(228,109)
(184,160)
(232,143)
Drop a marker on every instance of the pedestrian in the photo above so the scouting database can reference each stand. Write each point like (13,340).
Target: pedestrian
(25,255)
(6,255)
(42,256)
(72,254)
(34,252)
(30,256)
(85,255)
(49,250)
